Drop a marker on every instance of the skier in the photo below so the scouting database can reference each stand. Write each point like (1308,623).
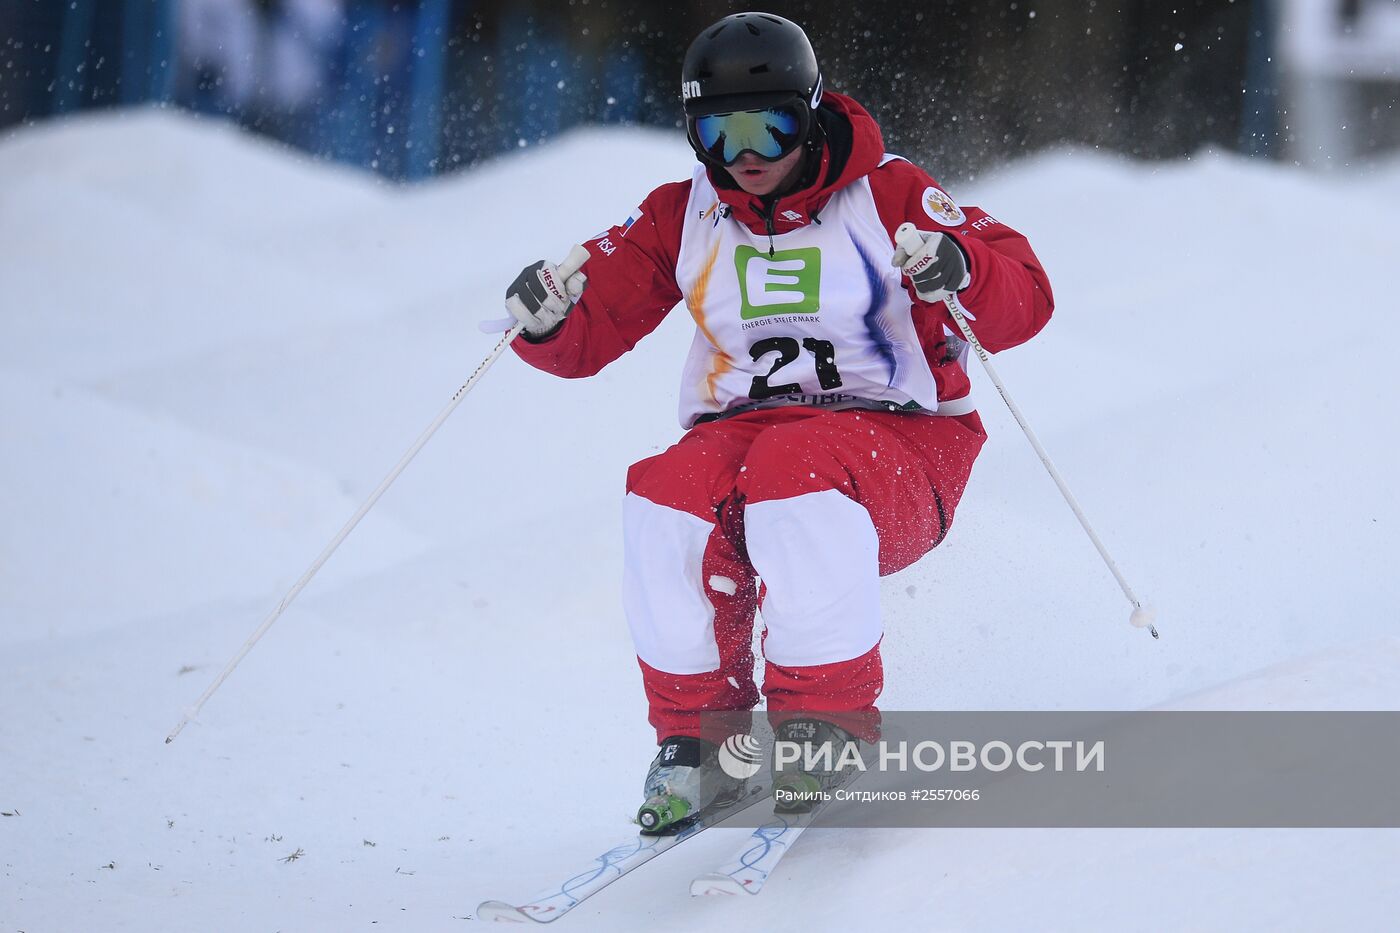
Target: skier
(829,435)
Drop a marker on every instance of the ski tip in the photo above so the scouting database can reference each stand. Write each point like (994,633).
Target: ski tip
(501,912)
(716,883)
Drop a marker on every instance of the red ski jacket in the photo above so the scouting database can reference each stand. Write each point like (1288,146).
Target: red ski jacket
(633,269)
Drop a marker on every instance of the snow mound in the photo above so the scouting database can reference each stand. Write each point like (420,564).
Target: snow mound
(211,350)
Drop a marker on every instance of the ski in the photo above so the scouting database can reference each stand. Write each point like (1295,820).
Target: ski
(608,867)
(756,859)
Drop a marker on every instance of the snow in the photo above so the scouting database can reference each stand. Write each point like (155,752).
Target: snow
(213,350)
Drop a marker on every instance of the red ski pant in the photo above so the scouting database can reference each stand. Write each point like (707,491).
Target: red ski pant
(818,504)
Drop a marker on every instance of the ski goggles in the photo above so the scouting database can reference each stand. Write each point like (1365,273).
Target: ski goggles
(770,133)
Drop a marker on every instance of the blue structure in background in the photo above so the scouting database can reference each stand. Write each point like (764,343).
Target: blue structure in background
(72,56)
(388,81)
(623,88)
(429,54)
(354,114)
(148,51)
(541,77)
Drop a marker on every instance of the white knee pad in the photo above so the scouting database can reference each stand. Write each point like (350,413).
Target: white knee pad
(819,556)
(663,594)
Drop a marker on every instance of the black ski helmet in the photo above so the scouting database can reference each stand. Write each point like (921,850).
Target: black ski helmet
(749,61)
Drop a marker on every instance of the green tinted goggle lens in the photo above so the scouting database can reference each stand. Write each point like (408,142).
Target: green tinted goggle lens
(768,134)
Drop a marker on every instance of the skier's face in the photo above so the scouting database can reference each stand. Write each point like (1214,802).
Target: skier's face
(758,177)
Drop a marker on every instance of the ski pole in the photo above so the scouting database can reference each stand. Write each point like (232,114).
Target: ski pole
(576,258)
(907,236)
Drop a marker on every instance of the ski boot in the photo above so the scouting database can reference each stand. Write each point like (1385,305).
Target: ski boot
(799,786)
(684,781)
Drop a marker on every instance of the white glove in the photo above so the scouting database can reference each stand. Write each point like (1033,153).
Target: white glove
(933,261)
(543,294)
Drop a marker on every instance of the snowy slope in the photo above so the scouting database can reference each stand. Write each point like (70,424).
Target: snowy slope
(211,350)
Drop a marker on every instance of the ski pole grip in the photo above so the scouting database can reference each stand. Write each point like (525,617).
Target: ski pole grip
(907,238)
(573,262)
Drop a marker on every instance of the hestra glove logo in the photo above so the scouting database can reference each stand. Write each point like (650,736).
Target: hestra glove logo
(788,282)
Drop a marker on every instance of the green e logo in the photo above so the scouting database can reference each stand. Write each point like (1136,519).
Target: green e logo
(788,282)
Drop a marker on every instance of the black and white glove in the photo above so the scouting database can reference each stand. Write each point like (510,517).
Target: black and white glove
(543,294)
(933,261)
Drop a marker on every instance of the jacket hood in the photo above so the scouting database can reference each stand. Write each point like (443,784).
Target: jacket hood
(851,148)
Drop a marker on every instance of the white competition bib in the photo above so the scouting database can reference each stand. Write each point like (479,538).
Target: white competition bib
(824,320)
